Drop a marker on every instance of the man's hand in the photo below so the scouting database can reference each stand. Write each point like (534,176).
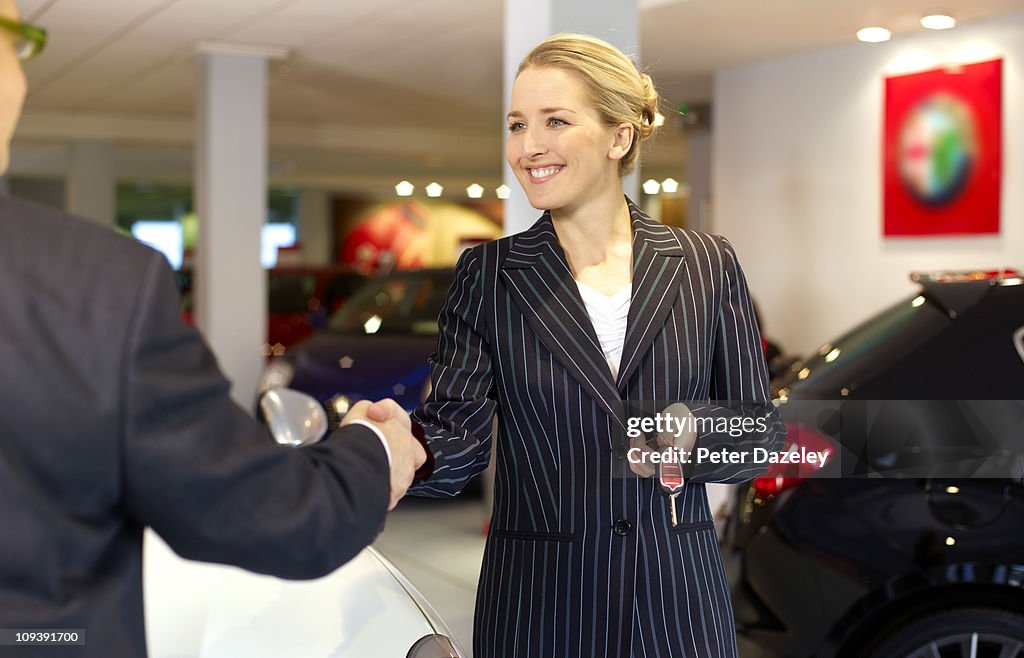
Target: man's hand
(407,454)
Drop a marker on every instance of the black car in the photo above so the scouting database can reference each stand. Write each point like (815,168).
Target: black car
(910,542)
(375,346)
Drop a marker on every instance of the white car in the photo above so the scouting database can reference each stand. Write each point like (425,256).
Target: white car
(367,608)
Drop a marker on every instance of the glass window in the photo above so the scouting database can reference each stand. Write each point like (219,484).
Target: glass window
(869,348)
(399,304)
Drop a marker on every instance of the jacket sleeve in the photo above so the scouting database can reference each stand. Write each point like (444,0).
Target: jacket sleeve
(457,416)
(210,480)
(739,387)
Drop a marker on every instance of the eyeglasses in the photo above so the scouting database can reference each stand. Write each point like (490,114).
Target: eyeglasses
(29,39)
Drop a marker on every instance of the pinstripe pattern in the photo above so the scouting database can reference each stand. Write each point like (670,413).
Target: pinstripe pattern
(516,338)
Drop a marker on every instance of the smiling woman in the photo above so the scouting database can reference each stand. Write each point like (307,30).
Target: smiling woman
(554,329)
(578,114)
(614,89)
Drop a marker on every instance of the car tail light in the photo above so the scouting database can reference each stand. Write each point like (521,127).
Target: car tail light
(945,276)
(780,477)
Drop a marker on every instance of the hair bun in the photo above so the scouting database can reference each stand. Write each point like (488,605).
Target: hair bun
(649,110)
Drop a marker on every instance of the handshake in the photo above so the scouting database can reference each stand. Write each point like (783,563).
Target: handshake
(407,455)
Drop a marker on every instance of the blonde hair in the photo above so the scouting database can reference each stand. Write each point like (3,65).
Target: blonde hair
(619,91)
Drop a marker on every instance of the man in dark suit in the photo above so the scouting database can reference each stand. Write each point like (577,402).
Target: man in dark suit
(115,416)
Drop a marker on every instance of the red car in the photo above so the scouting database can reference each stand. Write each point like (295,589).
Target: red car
(299,299)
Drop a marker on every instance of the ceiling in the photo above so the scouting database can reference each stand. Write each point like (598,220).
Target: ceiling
(378,90)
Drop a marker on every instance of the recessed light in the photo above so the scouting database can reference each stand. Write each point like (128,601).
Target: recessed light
(503,191)
(873,34)
(670,185)
(938,22)
(404,188)
(474,191)
(651,186)
(434,190)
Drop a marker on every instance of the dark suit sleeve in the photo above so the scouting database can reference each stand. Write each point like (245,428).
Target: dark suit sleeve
(739,385)
(457,415)
(208,478)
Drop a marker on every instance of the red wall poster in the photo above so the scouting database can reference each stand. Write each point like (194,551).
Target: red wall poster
(942,151)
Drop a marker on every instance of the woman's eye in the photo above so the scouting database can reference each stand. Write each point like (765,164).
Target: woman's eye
(556,122)
(515,127)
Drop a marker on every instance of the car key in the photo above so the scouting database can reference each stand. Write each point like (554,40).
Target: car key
(670,478)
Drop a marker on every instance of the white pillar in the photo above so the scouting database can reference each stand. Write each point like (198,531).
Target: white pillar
(314,230)
(698,177)
(91,182)
(231,202)
(528,22)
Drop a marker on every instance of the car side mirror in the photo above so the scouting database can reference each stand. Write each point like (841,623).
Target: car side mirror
(293,418)
(433,646)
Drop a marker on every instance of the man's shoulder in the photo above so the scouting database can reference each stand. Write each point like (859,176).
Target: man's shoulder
(32,230)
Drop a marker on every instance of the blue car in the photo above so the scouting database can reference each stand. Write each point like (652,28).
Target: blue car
(375,346)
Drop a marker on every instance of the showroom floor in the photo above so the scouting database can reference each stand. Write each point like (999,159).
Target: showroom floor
(439,545)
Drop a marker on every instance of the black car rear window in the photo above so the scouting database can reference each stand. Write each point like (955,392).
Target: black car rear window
(403,303)
(868,349)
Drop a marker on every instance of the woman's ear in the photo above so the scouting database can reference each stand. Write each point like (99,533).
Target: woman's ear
(622,140)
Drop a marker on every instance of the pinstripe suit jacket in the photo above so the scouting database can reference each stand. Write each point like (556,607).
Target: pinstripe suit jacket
(580,561)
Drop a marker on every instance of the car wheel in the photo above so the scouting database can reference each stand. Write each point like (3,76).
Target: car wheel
(958,633)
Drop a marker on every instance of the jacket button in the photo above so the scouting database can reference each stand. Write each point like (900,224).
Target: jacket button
(621,527)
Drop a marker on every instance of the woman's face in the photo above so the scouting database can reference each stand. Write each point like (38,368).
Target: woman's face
(560,150)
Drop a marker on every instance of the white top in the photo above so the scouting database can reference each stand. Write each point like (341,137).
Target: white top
(608,313)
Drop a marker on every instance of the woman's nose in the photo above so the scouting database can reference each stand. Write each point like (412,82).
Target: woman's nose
(533,143)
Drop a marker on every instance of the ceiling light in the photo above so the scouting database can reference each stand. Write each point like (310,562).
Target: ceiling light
(938,22)
(670,185)
(651,186)
(503,191)
(434,190)
(659,119)
(475,191)
(873,34)
(404,188)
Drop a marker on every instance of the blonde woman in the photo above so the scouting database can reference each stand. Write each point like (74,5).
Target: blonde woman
(553,328)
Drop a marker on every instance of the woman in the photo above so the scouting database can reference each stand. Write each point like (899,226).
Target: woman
(554,328)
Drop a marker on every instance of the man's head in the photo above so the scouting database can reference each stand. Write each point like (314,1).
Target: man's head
(12,82)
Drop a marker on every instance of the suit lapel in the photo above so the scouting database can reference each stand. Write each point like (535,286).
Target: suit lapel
(657,273)
(542,286)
